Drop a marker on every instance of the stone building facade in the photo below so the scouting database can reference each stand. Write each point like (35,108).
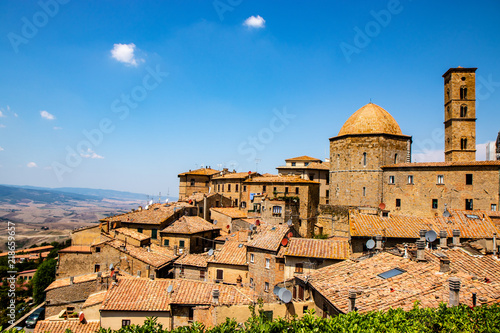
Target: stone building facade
(195,181)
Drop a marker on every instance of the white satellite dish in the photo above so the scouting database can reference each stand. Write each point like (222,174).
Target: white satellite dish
(252,227)
(150,202)
(289,222)
(276,290)
(211,252)
(147,207)
(215,222)
(110,267)
(166,200)
(170,288)
(370,244)
(430,236)
(285,295)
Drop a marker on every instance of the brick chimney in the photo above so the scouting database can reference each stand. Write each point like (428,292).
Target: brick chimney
(456,237)
(422,234)
(444,265)
(215,296)
(352,301)
(378,242)
(454,291)
(420,250)
(443,239)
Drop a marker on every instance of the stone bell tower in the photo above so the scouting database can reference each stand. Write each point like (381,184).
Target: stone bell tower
(460,114)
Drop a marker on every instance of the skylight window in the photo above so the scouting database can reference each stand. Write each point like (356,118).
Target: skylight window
(470,216)
(392,273)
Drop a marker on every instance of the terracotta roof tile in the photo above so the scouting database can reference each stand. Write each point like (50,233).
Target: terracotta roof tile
(317,248)
(442,164)
(60,326)
(231,253)
(157,256)
(189,225)
(198,260)
(94,299)
(202,171)
(236,175)
(420,281)
(139,294)
(234,213)
(303,158)
(156,214)
(34,249)
(280,179)
(269,237)
(64,282)
(76,248)
(238,236)
(131,233)
(362,225)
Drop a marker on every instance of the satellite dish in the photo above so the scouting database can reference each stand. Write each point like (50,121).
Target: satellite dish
(290,234)
(370,244)
(166,200)
(257,222)
(286,297)
(110,267)
(240,245)
(215,222)
(276,290)
(280,292)
(252,227)
(147,207)
(284,241)
(170,288)
(150,202)
(289,222)
(211,252)
(382,206)
(81,317)
(430,236)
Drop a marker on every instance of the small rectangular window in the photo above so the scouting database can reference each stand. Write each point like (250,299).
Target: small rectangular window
(97,249)
(304,309)
(327,193)
(391,179)
(252,257)
(299,268)
(440,179)
(275,189)
(469,204)
(251,283)
(266,287)
(468,179)
(268,263)
(294,164)
(97,268)
(434,203)
(202,275)
(286,190)
(166,242)
(392,273)
(191,314)
(244,188)
(410,179)
(297,190)
(222,187)
(139,230)
(398,203)
(263,188)
(364,191)
(154,234)
(494,207)
(181,243)
(125,322)
(229,187)
(236,187)
(220,274)
(281,267)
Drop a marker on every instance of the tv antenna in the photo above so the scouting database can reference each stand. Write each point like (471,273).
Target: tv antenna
(257,161)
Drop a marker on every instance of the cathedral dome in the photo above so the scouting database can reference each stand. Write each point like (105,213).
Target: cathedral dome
(370,119)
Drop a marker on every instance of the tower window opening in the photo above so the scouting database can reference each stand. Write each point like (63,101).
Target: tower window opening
(463,143)
(463,111)
(395,158)
(463,92)
(364,159)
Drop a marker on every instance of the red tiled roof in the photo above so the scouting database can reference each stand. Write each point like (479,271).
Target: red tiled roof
(441,164)
(231,253)
(76,249)
(202,171)
(131,233)
(421,281)
(362,225)
(317,248)
(234,213)
(60,326)
(94,299)
(156,214)
(269,237)
(140,294)
(236,175)
(34,249)
(191,259)
(303,158)
(64,282)
(189,225)
(157,256)
(279,179)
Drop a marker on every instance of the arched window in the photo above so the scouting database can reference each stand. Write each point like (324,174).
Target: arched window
(463,143)
(463,111)
(364,159)
(395,158)
(463,92)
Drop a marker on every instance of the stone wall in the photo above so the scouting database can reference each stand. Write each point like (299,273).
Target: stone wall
(231,273)
(334,221)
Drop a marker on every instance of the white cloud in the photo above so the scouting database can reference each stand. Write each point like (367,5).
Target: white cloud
(1,114)
(57,128)
(47,115)
(91,154)
(32,165)
(255,22)
(1,149)
(125,53)
(2,126)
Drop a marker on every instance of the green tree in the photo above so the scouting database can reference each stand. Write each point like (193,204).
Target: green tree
(44,276)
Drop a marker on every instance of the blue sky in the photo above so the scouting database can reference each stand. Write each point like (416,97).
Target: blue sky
(125,94)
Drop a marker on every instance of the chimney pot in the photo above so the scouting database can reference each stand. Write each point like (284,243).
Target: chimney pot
(378,242)
(456,237)
(151,276)
(444,265)
(422,234)
(71,280)
(352,300)
(454,283)
(420,250)
(443,238)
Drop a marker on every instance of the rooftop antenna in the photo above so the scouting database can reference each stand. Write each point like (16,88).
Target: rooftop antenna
(257,161)
(159,197)
(219,166)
